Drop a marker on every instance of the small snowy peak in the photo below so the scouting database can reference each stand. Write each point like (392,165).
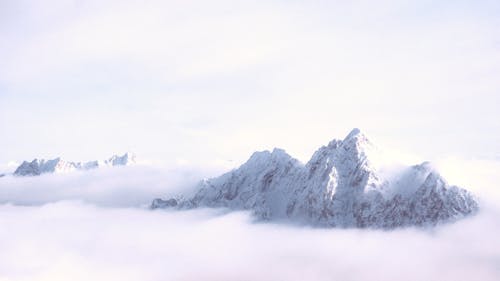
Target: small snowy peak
(28,168)
(279,153)
(410,179)
(354,132)
(37,167)
(340,186)
(124,160)
(58,165)
(90,165)
(159,203)
(62,166)
(263,160)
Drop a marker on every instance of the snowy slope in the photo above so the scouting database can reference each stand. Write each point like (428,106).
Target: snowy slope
(57,165)
(340,186)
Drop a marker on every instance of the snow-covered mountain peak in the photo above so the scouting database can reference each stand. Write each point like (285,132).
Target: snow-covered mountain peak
(354,147)
(266,157)
(339,186)
(349,162)
(126,159)
(357,144)
(353,133)
(58,165)
(356,139)
(276,152)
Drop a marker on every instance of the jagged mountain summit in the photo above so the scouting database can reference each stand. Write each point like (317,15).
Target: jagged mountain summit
(340,186)
(58,165)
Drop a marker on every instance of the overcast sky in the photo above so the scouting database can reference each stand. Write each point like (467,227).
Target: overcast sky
(201,85)
(209,82)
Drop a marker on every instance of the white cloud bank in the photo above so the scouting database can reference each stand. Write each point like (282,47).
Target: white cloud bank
(74,241)
(119,186)
(103,236)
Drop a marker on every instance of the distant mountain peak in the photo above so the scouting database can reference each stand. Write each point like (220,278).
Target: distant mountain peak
(125,159)
(57,165)
(340,186)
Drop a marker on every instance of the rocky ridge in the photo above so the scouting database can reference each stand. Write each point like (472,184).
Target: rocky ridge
(340,186)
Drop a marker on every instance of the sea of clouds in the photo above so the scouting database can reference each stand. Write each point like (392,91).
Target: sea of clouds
(96,226)
(109,187)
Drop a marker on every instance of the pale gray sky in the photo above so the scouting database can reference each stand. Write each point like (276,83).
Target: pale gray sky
(205,82)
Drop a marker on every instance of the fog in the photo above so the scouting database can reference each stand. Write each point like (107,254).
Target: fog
(119,186)
(94,226)
(75,241)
